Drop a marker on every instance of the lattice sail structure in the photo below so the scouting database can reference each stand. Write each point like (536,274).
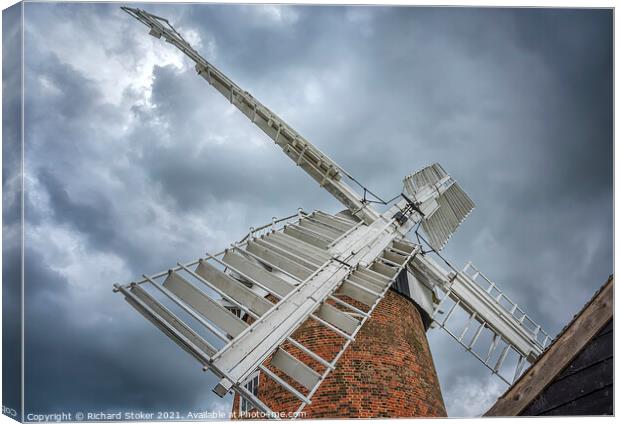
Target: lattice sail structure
(271,284)
(495,329)
(235,311)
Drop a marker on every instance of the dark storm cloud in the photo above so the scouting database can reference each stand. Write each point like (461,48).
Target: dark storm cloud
(87,364)
(133,162)
(93,219)
(199,178)
(11,216)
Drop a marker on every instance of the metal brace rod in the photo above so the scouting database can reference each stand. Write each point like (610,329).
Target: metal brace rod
(502,357)
(519,367)
(492,347)
(451,312)
(471,319)
(475,338)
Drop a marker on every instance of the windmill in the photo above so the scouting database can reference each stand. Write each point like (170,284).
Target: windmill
(236,311)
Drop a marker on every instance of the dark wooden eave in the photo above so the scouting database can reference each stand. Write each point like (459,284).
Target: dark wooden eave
(571,340)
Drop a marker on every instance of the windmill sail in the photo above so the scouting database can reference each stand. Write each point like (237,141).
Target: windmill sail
(487,311)
(444,203)
(311,266)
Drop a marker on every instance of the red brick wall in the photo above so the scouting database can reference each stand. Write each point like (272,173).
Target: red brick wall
(387,372)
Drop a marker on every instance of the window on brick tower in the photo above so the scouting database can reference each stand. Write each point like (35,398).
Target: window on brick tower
(252,386)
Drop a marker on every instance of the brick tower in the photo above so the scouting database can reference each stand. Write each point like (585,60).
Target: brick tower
(387,372)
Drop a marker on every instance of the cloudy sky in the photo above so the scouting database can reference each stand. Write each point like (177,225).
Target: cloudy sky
(133,162)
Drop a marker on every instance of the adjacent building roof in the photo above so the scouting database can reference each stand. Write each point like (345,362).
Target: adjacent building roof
(551,365)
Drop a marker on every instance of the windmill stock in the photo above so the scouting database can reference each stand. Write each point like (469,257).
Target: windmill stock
(238,312)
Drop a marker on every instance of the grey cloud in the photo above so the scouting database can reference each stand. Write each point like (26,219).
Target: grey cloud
(11,217)
(73,367)
(11,329)
(93,219)
(197,171)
